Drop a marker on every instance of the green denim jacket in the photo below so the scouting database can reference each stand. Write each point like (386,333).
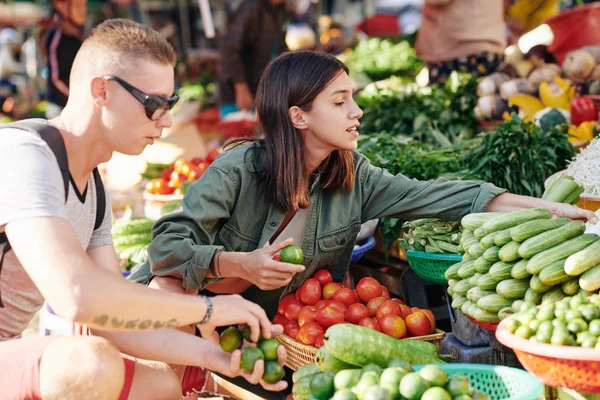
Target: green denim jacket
(224,210)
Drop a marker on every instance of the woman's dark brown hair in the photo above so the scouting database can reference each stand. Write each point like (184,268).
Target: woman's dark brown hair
(295,79)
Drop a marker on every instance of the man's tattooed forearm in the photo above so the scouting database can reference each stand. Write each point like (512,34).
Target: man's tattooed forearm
(112,322)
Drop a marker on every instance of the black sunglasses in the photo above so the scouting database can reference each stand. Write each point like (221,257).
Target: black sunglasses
(155,106)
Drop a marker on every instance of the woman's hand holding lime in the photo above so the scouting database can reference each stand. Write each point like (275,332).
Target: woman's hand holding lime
(260,267)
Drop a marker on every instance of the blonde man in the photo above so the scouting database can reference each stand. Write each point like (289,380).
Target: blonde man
(121,92)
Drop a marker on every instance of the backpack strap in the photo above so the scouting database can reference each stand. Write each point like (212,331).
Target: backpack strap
(100,199)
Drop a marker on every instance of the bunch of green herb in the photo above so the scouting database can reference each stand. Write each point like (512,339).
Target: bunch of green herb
(519,156)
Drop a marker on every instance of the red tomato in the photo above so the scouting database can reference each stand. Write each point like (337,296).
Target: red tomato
(431,317)
(310,291)
(320,341)
(280,320)
(194,173)
(370,323)
(329,316)
(293,309)
(291,329)
(418,324)
(414,309)
(323,276)
(276,257)
(337,304)
(307,314)
(388,307)
(284,302)
(321,303)
(385,293)
(374,304)
(297,293)
(397,300)
(173,185)
(367,289)
(176,176)
(157,186)
(166,173)
(212,155)
(309,333)
(330,288)
(196,160)
(356,312)
(178,164)
(405,311)
(392,325)
(346,296)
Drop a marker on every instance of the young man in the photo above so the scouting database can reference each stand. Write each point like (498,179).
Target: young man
(121,92)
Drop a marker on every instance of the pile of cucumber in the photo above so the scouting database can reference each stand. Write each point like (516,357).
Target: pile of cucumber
(131,239)
(432,235)
(517,256)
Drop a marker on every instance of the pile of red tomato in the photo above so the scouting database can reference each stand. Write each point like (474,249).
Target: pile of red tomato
(180,171)
(320,303)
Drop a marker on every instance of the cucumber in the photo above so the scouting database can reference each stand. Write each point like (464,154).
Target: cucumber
(305,370)
(551,238)
(535,297)
(462,287)
(450,291)
(460,249)
(476,293)
(491,254)
(519,270)
(485,316)
(475,220)
(474,279)
(502,237)
(553,295)
(482,265)
(467,257)
(475,250)
(467,269)
(472,310)
(301,388)
(512,288)
(467,240)
(571,287)
(458,301)
(501,270)
(516,305)
(487,282)
(509,252)
(479,233)
(452,272)
(361,346)
(488,241)
(538,285)
(590,280)
(493,302)
(326,362)
(465,307)
(583,260)
(505,313)
(521,233)
(563,250)
(514,218)
(452,282)
(554,273)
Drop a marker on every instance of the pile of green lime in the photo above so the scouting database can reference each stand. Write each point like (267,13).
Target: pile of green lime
(232,339)
(571,321)
(398,381)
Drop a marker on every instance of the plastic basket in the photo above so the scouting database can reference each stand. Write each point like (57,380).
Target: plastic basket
(497,382)
(365,246)
(484,325)
(299,354)
(557,366)
(431,266)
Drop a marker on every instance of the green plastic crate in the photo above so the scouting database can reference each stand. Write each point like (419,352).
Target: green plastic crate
(431,266)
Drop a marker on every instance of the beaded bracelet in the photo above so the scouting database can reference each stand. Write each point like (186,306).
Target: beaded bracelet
(209,309)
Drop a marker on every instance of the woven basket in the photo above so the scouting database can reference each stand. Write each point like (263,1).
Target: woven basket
(557,366)
(431,266)
(299,354)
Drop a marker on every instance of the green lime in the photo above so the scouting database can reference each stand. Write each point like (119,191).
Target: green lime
(269,348)
(560,313)
(185,186)
(458,385)
(545,326)
(573,314)
(231,339)
(273,372)
(398,362)
(559,323)
(344,394)
(525,318)
(376,393)
(512,325)
(373,367)
(392,375)
(595,299)
(543,337)
(594,327)
(589,342)
(578,300)
(370,377)
(533,325)
(321,386)
(436,393)
(291,254)
(560,339)
(246,331)
(577,325)
(526,305)
(545,314)
(480,396)
(523,332)
(250,355)
(413,386)
(361,387)
(434,375)
(346,378)
(590,312)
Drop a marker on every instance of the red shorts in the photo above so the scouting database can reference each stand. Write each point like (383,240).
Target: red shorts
(20,368)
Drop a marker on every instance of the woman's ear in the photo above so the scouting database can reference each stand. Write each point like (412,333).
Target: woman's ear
(297,117)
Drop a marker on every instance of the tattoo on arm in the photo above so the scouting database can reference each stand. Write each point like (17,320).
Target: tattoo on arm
(103,320)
